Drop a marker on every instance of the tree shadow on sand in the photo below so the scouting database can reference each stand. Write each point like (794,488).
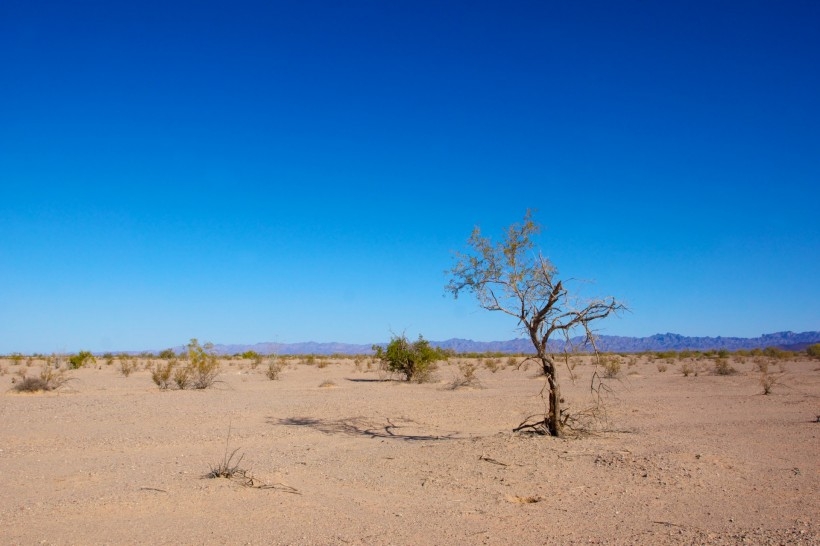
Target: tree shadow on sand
(397,429)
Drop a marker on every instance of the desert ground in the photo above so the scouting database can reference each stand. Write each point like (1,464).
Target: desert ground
(336,453)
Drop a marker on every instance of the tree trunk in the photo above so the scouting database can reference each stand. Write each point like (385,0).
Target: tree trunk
(554,417)
(552,421)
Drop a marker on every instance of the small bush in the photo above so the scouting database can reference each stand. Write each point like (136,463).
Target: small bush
(686,369)
(167,354)
(768,382)
(611,365)
(274,369)
(254,357)
(813,350)
(182,377)
(309,360)
(466,376)
(722,367)
(203,364)
(662,367)
(416,360)
(50,379)
(128,365)
(493,364)
(162,374)
(81,359)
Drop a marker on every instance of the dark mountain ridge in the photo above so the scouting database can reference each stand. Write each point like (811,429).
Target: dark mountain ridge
(616,344)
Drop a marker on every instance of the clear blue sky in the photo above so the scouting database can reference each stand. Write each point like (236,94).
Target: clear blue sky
(293,171)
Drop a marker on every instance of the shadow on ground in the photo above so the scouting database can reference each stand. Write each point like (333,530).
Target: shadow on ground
(396,429)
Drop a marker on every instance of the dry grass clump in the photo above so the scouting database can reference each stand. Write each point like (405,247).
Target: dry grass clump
(662,367)
(162,375)
(230,468)
(275,368)
(128,365)
(493,364)
(199,370)
(611,365)
(466,376)
(768,382)
(50,379)
(309,360)
(722,367)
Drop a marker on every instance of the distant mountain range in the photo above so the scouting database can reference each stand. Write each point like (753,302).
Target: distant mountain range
(616,344)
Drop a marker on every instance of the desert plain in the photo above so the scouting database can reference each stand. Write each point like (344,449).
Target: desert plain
(336,453)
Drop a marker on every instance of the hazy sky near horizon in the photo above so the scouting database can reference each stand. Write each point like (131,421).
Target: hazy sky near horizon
(245,171)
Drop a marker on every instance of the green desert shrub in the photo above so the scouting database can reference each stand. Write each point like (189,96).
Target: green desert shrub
(254,357)
(203,364)
(167,354)
(81,359)
(813,350)
(416,361)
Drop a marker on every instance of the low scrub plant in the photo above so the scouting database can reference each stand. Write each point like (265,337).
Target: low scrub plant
(162,374)
(182,377)
(611,365)
(722,367)
(274,368)
(128,365)
(167,354)
(309,360)
(687,369)
(466,376)
(416,361)
(768,381)
(203,364)
(81,359)
(50,379)
(492,363)
(254,357)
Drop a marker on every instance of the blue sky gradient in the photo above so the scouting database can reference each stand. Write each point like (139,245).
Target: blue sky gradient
(294,171)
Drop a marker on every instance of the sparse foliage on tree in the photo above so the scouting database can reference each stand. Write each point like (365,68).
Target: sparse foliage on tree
(513,277)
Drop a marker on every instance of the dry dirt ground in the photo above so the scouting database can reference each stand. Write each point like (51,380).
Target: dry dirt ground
(703,459)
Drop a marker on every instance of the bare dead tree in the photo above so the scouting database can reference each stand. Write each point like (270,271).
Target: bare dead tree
(514,278)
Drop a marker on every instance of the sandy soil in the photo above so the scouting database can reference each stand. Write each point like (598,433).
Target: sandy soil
(702,459)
